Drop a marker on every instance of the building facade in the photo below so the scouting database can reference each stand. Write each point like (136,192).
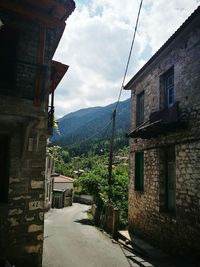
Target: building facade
(164,189)
(29,32)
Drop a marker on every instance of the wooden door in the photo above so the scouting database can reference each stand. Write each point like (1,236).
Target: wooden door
(171,179)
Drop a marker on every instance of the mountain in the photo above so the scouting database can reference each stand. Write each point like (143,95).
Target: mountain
(89,123)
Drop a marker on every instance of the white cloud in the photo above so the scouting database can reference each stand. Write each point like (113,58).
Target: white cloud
(162,19)
(96,44)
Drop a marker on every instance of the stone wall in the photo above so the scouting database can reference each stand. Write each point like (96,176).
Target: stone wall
(178,232)
(84,199)
(147,216)
(22,217)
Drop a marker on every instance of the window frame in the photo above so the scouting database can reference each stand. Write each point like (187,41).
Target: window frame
(139,171)
(167,89)
(140,109)
(167,181)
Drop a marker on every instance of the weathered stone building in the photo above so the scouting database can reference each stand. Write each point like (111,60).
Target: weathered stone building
(29,34)
(164,189)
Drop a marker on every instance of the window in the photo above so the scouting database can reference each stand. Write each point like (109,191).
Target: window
(8,45)
(167,98)
(139,171)
(4,176)
(140,109)
(169,87)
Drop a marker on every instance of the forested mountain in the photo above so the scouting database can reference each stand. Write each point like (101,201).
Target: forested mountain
(88,124)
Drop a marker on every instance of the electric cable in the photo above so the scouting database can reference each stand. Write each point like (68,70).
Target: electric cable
(115,110)
(95,134)
(129,56)
(123,80)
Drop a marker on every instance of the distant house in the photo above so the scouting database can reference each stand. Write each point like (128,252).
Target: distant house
(62,191)
(78,172)
(164,190)
(62,182)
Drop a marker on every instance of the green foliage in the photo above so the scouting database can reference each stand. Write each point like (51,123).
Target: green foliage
(95,182)
(91,172)
(120,192)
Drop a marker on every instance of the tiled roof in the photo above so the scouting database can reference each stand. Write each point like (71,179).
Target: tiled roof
(63,179)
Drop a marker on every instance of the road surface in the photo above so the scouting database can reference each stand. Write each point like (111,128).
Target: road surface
(70,241)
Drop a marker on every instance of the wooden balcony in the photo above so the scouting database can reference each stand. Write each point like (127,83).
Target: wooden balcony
(160,123)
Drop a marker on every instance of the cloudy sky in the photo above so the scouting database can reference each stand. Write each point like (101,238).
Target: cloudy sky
(96,43)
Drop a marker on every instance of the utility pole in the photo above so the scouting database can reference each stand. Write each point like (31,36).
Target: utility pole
(111,156)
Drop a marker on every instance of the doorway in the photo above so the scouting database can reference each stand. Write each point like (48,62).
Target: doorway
(4,168)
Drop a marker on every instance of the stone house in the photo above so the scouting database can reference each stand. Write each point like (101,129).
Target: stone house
(164,188)
(62,191)
(63,182)
(29,32)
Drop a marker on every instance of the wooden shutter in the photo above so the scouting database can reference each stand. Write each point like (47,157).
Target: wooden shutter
(139,171)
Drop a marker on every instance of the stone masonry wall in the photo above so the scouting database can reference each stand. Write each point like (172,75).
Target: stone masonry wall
(179,232)
(22,222)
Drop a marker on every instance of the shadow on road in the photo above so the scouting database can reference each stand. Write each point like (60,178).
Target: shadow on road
(85,221)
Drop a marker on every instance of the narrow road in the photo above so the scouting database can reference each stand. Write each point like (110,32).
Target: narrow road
(70,241)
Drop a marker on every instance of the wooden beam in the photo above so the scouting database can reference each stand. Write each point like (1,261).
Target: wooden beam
(30,14)
(57,9)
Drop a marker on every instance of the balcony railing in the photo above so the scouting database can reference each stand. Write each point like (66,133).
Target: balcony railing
(50,120)
(160,122)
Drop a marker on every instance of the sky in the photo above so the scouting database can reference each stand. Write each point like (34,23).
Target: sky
(96,43)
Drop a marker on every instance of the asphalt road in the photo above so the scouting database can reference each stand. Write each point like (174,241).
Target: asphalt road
(70,241)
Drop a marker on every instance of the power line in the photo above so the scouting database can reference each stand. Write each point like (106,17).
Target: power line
(114,112)
(129,56)
(122,85)
(95,134)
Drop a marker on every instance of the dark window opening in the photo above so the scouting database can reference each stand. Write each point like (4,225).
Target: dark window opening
(4,168)
(140,109)
(167,88)
(139,171)
(8,47)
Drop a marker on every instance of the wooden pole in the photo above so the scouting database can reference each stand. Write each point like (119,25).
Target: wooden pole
(111,156)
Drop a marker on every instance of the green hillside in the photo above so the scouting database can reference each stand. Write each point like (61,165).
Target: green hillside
(87,124)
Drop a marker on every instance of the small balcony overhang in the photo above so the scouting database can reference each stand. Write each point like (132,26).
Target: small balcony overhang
(160,123)
(58,70)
